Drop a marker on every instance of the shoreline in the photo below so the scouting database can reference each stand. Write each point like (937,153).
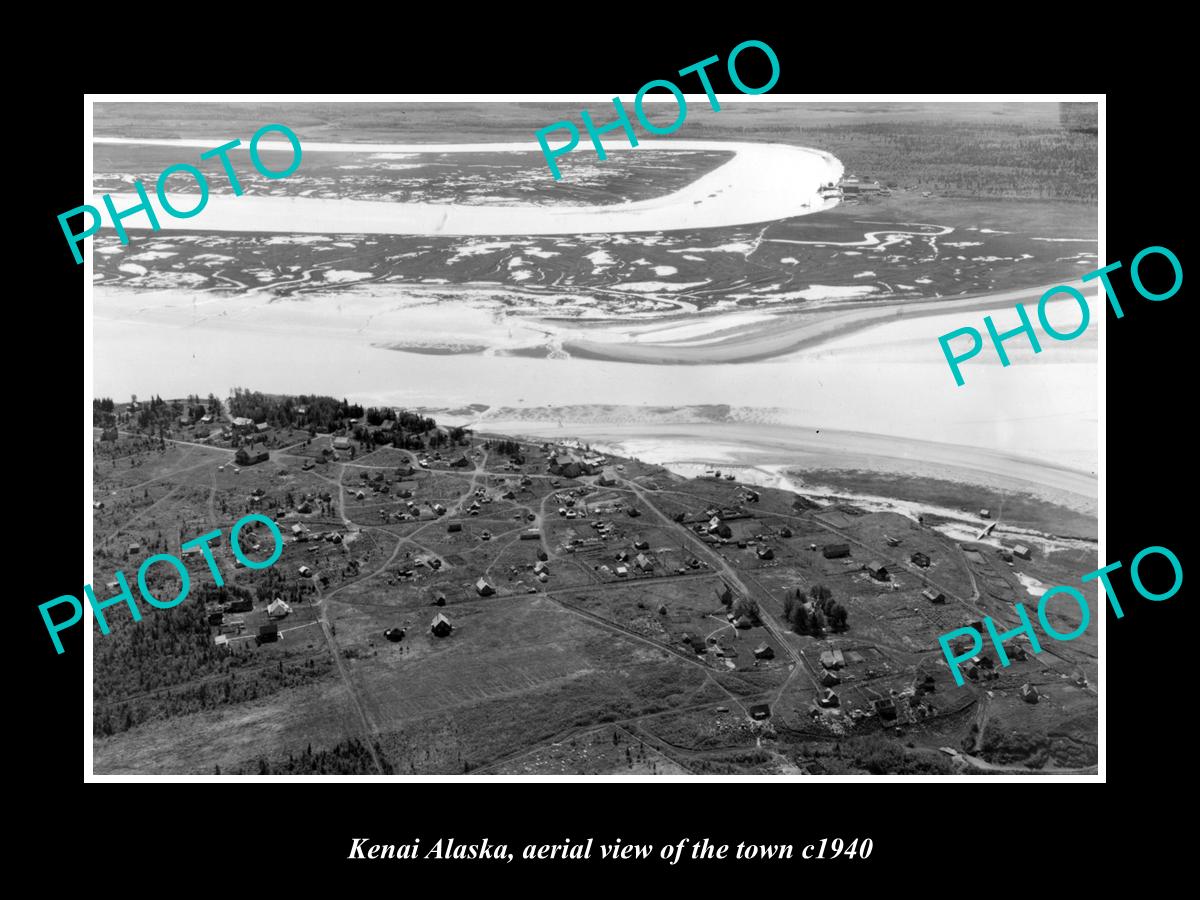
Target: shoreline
(763,182)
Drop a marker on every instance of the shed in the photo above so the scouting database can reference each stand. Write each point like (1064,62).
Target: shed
(885,708)
(829,698)
(440,626)
(835,551)
(877,570)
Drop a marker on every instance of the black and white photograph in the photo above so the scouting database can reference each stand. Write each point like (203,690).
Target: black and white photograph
(533,438)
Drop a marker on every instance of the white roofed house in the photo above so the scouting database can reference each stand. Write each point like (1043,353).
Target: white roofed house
(277,609)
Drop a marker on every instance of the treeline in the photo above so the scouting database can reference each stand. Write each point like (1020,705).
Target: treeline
(816,612)
(992,161)
(281,411)
(504,447)
(405,429)
(1001,160)
(352,757)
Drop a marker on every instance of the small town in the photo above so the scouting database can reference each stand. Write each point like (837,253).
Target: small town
(470,603)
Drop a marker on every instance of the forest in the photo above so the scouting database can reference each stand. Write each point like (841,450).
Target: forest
(167,665)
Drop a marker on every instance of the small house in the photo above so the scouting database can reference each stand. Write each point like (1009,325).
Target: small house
(920,559)
(454,527)
(461,463)
(622,572)
(341,443)
(832,659)
(248,456)
(760,711)
(933,596)
(267,634)
(877,570)
(531,534)
(1029,693)
(278,609)
(829,699)
(764,651)
(985,514)
(643,563)
(394,634)
(1021,551)
(835,551)
(830,678)
(766,553)
(483,588)
(440,626)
